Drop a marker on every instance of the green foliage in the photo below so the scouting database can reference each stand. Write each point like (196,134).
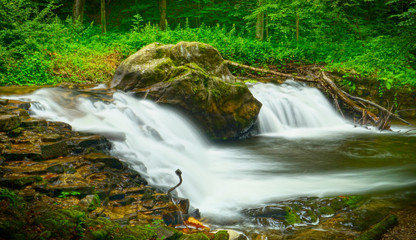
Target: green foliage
(14,200)
(67,194)
(37,47)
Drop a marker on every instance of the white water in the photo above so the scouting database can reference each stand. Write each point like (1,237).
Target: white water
(293,106)
(219,181)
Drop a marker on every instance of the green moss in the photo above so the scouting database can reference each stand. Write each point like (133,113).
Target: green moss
(11,229)
(136,233)
(63,223)
(353,201)
(250,81)
(15,132)
(160,53)
(14,200)
(177,72)
(291,217)
(195,236)
(221,235)
(313,217)
(25,181)
(379,229)
(96,202)
(326,210)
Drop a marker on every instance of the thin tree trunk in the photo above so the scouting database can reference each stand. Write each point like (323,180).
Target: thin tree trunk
(78,11)
(103,20)
(266,25)
(162,10)
(297,25)
(260,23)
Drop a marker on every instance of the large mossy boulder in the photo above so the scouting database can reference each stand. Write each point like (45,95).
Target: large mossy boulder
(194,78)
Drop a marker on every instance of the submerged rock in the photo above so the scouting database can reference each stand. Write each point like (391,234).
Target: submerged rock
(194,78)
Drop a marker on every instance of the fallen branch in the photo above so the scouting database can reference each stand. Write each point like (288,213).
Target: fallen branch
(304,79)
(376,106)
(347,100)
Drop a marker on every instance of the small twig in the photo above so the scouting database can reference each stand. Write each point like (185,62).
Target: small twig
(179,173)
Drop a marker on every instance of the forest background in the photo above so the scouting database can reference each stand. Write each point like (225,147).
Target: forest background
(82,41)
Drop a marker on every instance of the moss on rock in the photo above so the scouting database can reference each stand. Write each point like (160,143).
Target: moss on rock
(194,78)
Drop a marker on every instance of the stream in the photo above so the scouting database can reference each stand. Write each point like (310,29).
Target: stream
(302,148)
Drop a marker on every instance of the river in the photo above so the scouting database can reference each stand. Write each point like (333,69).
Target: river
(301,148)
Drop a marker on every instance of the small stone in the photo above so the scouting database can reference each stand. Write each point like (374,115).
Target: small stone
(9,122)
(86,201)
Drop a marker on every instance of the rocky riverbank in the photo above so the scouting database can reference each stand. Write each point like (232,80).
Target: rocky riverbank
(56,183)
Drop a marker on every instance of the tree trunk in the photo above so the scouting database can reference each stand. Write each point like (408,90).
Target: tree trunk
(103,20)
(260,23)
(297,25)
(162,10)
(78,11)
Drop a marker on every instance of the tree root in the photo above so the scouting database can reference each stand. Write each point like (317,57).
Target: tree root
(324,80)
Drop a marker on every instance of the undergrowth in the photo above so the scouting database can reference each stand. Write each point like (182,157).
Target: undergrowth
(59,51)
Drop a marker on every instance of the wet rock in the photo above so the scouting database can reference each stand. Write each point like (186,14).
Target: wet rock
(33,123)
(80,190)
(19,104)
(376,231)
(22,113)
(194,78)
(51,138)
(53,150)
(89,143)
(167,233)
(4,101)
(86,202)
(17,152)
(58,168)
(109,161)
(19,182)
(9,122)
(60,125)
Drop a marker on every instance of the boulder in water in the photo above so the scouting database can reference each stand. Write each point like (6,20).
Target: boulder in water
(194,78)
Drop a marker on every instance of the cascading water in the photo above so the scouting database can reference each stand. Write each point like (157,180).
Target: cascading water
(220,181)
(293,105)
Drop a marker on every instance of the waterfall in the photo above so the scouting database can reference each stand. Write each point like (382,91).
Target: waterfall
(219,180)
(293,105)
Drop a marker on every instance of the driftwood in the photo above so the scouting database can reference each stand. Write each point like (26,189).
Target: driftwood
(322,79)
(179,173)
